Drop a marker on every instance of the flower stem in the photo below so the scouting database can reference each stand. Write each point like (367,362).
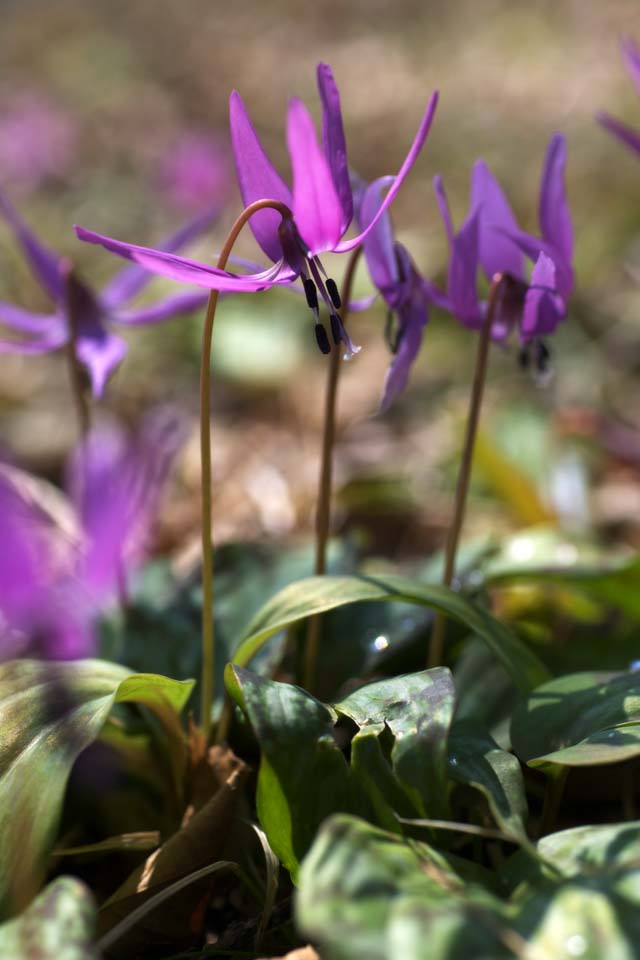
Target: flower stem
(208,638)
(76,377)
(436,645)
(323,508)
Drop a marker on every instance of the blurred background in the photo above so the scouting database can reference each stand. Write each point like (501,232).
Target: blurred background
(113,115)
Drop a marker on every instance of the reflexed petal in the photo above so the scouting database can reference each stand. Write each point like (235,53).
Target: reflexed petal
(317,209)
(257,178)
(379,244)
(498,254)
(416,147)
(543,308)
(443,205)
(44,263)
(183,270)
(413,318)
(164,310)
(463,268)
(631,54)
(335,147)
(27,322)
(129,281)
(555,219)
(532,247)
(47,344)
(116,481)
(627,135)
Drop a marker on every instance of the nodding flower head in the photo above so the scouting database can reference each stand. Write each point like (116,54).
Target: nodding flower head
(491,241)
(320,200)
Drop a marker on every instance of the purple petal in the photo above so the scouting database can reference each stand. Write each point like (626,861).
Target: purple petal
(164,310)
(131,280)
(443,205)
(316,207)
(626,134)
(183,270)
(25,321)
(463,268)
(413,318)
(116,482)
(46,344)
(257,178)
(498,254)
(555,219)
(631,56)
(44,264)
(335,147)
(410,159)
(543,308)
(97,349)
(379,245)
(532,247)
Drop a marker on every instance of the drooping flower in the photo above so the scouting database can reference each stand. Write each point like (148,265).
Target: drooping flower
(53,585)
(630,136)
(321,202)
(491,240)
(405,291)
(194,172)
(83,313)
(37,141)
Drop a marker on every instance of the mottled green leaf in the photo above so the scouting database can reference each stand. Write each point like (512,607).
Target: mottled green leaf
(319,594)
(49,713)
(58,925)
(582,719)
(417,710)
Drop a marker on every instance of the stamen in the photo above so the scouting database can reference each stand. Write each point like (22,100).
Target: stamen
(543,357)
(322,339)
(336,328)
(311,293)
(332,290)
(524,357)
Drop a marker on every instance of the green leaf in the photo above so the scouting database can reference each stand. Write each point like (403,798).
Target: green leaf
(303,775)
(583,719)
(366,893)
(49,713)
(58,925)
(417,709)
(319,594)
(476,759)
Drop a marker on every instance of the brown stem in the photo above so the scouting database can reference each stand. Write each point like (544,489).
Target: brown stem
(76,377)
(323,508)
(436,644)
(208,639)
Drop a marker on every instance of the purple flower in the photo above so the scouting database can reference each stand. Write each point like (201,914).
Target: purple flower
(52,586)
(491,240)
(89,314)
(37,141)
(194,173)
(628,135)
(321,200)
(407,294)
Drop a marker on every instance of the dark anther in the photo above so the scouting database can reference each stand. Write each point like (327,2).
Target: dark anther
(391,336)
(332,290)
(524,357)
(543,357)
(311,293)
(336,328)
(322,339)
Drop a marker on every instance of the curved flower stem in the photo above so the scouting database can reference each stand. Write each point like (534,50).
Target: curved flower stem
(323,508)
(78,389)
(208,639)
(436,644)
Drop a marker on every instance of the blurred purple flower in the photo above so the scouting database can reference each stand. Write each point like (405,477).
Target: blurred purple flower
(115,483)
(37,141)
(194,173)
(407,294)
(321,201)
(628,135)
(88,313)
(490,239)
